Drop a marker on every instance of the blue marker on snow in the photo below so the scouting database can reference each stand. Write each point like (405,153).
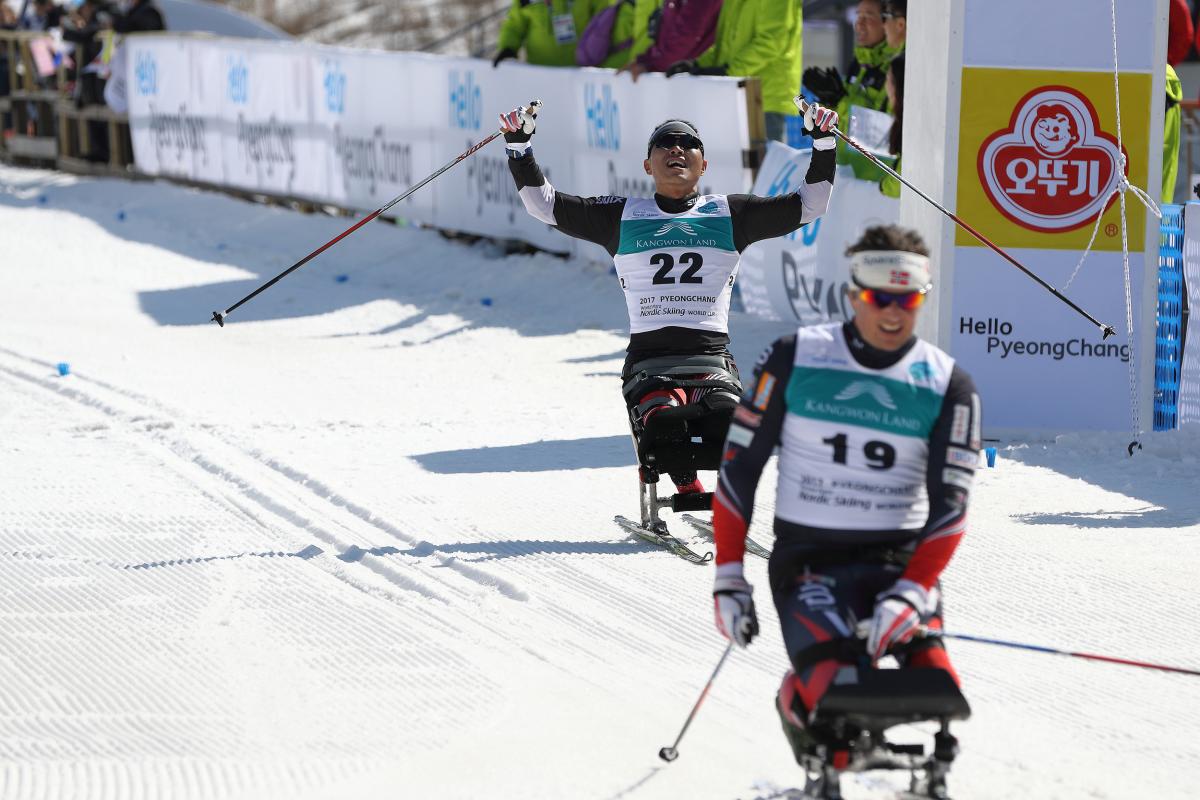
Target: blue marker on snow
(120,216)
(342,278)
(63,368)
(990,454)
(487,301)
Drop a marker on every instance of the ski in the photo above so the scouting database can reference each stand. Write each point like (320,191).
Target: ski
(663,538)
(705,527)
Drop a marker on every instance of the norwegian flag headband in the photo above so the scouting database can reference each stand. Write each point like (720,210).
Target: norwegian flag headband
(891,270)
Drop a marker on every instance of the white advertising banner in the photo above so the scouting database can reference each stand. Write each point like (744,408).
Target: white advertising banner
(1039,153)
(357,128)
(269,142)
(802,277)
(1034,360)
(171,135)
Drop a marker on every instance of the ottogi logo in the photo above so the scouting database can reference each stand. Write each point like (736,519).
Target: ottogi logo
(466,101)
(675,224)
(603,118)
(1052,169)
(145,70)
(335,88)
(870,388)
(237,84)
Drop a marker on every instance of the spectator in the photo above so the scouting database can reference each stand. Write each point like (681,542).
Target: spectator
(1179,32)
(895,92)
(895,23)
(867,71)
(757,39)
(616,34)
(548,30)
(139,15)
(8,17)
(681,31)
(81,28)
(43,16)
(1171,126)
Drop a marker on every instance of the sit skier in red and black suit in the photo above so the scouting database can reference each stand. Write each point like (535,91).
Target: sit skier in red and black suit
(878,434)
(676,254)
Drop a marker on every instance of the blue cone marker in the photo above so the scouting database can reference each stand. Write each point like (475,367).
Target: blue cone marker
(342,278)
(487,301)
(64,368)
(990,453)
(120,216)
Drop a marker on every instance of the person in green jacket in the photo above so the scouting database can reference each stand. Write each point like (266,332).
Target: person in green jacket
(631,32)
(759,39)
(1170,165)
(895,95)
(867,71)
(548,30)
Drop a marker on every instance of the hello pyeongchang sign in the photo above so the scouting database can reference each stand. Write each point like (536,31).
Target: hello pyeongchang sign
(1018,134)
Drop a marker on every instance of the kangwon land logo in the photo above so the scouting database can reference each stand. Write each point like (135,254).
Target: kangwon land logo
(675,224)
(874,390)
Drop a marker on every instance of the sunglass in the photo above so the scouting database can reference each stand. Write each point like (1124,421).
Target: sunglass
(885,16)
(684,140)
(909,301)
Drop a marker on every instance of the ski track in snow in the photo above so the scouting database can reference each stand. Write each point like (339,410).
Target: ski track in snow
(401,578)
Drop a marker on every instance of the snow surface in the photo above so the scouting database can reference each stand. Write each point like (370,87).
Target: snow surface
(358,543)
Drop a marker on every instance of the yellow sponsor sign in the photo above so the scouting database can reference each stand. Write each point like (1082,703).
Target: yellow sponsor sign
(1038,156)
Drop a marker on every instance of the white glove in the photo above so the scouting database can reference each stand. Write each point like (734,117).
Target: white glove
(818,121)
(733,605)
(519,124)
(898,614)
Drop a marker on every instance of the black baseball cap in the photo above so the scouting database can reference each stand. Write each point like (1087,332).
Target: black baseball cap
(670,127)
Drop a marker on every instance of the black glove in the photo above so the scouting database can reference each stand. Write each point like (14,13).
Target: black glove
(826,84)
(687,65)
(507,52)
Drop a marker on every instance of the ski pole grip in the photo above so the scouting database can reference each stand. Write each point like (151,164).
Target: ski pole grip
(534,107)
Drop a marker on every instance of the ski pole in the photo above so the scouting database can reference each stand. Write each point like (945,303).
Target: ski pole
(671,753)
(219,316)
(1107,330)
(1057,652)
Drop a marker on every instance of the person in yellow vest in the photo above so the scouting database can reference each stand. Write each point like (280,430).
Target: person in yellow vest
(548,30)
(1170,166)
(759,39)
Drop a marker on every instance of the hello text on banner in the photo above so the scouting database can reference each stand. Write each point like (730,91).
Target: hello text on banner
(356,128)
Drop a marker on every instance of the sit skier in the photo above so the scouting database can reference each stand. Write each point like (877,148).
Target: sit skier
(878,434)
(676,254)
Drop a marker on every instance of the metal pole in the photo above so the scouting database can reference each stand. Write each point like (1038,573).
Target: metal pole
(219,316)
(671,753)
(1107,330)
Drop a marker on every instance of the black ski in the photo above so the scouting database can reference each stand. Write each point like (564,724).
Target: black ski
(663,538)
(705,527)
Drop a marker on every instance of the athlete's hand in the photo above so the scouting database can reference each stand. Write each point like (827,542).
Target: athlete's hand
(819,122)
(898,614)
(733,605)
(519,124)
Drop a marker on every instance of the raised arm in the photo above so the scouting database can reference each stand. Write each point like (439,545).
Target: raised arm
(756,218)
(593,219)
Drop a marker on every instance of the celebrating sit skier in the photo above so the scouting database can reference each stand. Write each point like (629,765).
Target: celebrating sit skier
(878,434)
(677,253)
